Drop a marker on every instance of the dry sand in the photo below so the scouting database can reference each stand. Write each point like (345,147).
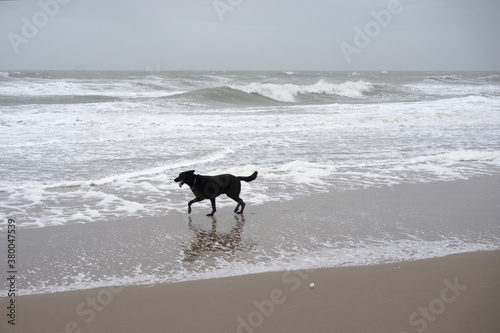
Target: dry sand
(458,293)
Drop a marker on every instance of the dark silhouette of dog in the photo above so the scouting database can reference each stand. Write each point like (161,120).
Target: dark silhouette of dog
(210,187)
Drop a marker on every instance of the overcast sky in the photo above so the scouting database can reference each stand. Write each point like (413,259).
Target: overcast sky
(250,34)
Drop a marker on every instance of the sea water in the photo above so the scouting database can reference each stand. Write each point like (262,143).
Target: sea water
(94,147)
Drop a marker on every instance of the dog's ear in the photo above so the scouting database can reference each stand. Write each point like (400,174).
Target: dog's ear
(190,171)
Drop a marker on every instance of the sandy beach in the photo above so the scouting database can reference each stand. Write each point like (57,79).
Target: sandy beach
(457,293)
(454,293)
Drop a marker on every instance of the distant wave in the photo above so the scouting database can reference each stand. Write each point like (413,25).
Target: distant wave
(222,90)
(53,100)
(453,79)
(492,77)
(220,95)
(446,78)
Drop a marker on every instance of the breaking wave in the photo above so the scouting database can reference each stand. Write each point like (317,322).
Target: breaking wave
(288,93)
(259,93)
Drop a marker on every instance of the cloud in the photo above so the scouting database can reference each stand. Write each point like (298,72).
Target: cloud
(257,34)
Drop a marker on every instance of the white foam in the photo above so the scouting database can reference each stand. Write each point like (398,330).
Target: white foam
(298,172)
(355,254)
(81,216)
(92,213)
(126,122)
(130,207)
(460,156)
(303,166)
(152,191)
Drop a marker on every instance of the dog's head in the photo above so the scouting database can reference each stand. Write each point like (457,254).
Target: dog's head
(185,177)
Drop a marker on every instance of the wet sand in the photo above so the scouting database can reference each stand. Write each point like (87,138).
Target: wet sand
(457,293)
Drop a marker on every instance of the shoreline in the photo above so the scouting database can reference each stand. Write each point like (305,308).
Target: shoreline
(423,220)
(458,293)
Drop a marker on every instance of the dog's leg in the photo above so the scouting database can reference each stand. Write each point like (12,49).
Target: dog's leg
(213,207)
(240,203)
(192,202)
(242,206)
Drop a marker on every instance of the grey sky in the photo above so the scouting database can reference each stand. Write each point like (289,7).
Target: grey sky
(250,34)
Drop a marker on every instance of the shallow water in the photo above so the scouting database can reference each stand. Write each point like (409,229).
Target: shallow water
(92,146)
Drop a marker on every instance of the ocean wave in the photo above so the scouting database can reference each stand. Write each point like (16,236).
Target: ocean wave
(491,78)
(453,78)
(288,92)
(219,96)
(460,79)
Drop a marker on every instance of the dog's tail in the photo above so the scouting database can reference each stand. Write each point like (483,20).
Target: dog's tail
(250,178)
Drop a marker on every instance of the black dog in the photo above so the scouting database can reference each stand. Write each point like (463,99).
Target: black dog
(210,187)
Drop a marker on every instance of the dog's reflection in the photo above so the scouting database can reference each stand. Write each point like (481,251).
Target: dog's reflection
(213,241)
